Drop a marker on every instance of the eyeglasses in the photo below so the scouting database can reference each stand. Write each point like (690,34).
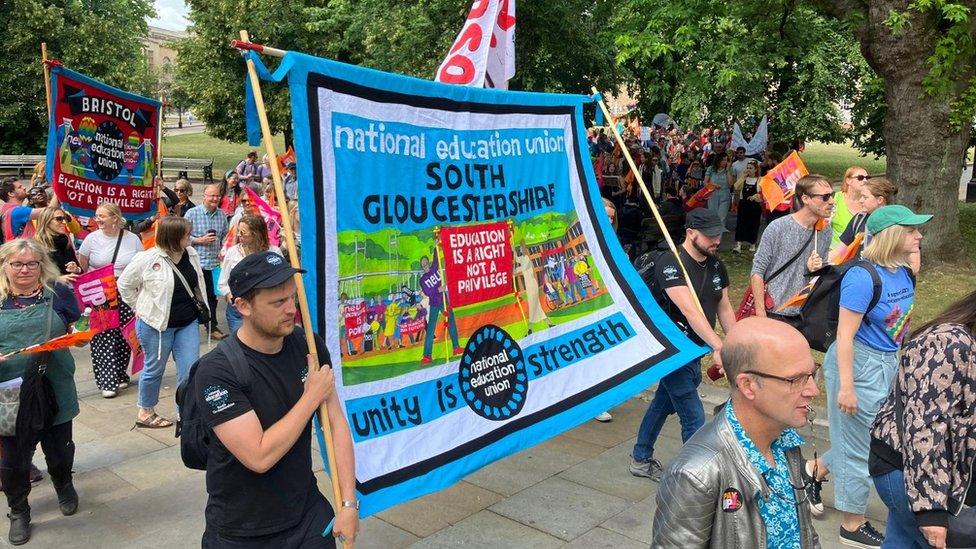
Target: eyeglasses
(60,218)
(19,265)
(822,196)
(795,383)
(181,191)
(861,177)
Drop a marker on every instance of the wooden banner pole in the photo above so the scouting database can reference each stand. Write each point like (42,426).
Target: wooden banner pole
(159,137)
(47,77)
(650,201)
(293,258)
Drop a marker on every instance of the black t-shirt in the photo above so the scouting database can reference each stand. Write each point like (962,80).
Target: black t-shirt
(856,225)
(242,502)
(182,309)
(708,280)
(63,253)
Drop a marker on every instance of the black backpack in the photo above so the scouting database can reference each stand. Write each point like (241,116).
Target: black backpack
(193,433)
(819,313)
(645,265)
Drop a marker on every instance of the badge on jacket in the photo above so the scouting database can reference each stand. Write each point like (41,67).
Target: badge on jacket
(731,500)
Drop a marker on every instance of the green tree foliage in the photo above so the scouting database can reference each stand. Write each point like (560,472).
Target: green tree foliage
(557,47)
(708,62)
(102,39)
(211,74)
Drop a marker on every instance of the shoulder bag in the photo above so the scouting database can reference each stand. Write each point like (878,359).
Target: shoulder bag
(203,312)
(748,305)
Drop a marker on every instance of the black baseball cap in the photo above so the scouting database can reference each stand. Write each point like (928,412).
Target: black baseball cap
(260,270)
(704,221)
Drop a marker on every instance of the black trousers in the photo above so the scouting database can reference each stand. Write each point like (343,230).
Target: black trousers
(208,281)
(15,461)
(306,535)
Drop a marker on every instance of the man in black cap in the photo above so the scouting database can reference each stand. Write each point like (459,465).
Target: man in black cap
(260,486)
(677,392)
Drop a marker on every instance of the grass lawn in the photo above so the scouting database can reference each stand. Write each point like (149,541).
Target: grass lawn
(226,155)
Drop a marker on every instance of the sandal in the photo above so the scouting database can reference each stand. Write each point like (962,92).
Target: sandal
(155,421)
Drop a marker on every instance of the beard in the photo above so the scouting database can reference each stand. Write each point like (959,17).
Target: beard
(271,330)
(698,247)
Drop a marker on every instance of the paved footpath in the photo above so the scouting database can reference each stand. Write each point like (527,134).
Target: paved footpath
(572,491)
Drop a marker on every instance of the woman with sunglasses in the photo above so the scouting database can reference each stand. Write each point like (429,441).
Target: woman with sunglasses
(53,234)
(847,201)
(860,365)
(252,238)
(183,203)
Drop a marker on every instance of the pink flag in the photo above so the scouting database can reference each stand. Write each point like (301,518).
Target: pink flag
(138,357)
(97,291)
(271,216)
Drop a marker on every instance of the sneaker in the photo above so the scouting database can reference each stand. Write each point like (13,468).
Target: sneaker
(217,335)
(425,360)
(123,385)
(109,394)
(813,488)
(865,536)
(647,469)
(604,417)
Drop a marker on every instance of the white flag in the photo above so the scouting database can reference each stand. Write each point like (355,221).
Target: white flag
(483,54)
(501,54)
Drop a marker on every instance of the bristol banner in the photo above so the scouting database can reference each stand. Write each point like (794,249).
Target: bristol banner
(462,271)
(101,146)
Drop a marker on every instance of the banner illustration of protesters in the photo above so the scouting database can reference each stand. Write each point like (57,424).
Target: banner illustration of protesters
(476,171)
(102,146)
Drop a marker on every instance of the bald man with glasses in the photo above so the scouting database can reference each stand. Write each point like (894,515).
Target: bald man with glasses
(737,481)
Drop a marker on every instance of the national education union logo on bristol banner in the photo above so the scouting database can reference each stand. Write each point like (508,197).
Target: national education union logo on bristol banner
(492,374)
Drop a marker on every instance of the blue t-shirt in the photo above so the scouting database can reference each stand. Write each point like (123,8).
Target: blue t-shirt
(884,326)
(19,217)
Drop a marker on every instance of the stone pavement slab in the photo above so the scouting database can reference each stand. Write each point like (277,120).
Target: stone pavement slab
(487,530)
(425,516)
(560,508)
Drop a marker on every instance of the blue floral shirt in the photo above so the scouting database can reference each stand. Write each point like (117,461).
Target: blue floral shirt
(778,511)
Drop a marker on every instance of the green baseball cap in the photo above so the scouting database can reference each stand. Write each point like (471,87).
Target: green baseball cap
(886,216)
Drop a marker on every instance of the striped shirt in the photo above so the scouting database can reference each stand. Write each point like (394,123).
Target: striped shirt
(202,222)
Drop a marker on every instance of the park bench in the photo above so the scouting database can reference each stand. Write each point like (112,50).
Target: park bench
(19,163)
(185,166)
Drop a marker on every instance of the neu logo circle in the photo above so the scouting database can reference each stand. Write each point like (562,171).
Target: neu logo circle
(492,375)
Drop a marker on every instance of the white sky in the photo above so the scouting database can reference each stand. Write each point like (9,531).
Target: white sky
(170,14)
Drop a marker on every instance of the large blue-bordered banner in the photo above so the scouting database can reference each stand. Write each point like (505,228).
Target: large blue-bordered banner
(463,272)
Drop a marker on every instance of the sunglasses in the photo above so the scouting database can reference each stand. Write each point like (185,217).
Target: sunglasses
(861,177)
(60,218)
(181,191)
(823,196)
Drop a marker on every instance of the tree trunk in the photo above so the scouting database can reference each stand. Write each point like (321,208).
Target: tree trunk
(925,153)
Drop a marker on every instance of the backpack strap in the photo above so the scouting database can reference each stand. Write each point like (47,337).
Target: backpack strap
(231,347)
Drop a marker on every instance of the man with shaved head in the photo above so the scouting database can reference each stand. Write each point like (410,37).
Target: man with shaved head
(737,482)
(208,227)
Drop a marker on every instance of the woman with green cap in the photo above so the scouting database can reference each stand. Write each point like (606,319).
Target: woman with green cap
(860,365)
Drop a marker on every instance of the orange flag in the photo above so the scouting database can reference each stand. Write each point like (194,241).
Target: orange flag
(778,184)
(62,342)
(149,235)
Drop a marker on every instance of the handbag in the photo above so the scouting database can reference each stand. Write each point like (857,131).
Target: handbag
(203,312)
(9,406)
(747,307)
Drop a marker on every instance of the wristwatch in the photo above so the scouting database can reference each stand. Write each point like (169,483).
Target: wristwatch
(350,503)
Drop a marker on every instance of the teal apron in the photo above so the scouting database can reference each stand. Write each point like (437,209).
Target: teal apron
(25,327)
